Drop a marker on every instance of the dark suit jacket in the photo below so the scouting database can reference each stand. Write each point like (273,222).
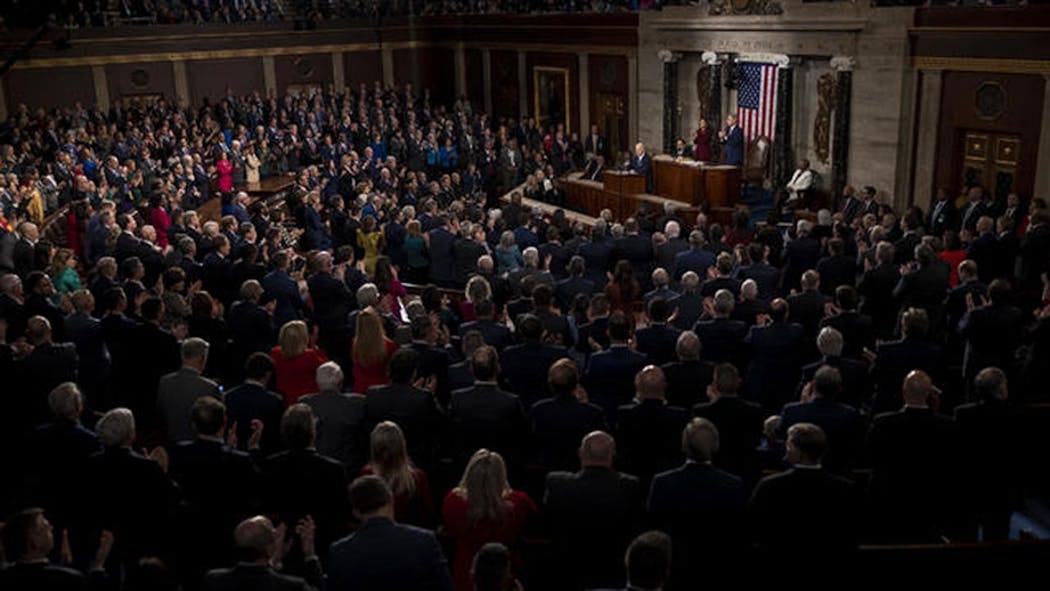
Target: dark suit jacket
(558,425)
(894,360)
(984,250)
(947,218)
(252,329)
(341,427)
(835,271)
(649,437)
(609,378)
(289,304)
(876,291)
(858,331)
(496,334)
(710,287)
(263,578)
(800,255)
(41,575)
(739,424)
(85,332)
(721,339)
(687,381)
(591,517)
(807,309)
(658,342)
(47,366)
(637,250)
(597,258)
(856,382)
(765,275)
(776,357)
(924,288)
(484,416)
(990,434)
(442,256)
(466,253)
(690,306)
(218,279)
(992,335)
(565,290)
(733,146)
(301,482)
(386,556)
(805,508)
(176,394)
(666,253)
(332,302)
(697,260)
(644,166)
(413,409)
(525,369)
(59,454)
(842,424)
(252,401)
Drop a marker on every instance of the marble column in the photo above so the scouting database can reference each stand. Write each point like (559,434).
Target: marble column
(98,76)
(182,83)
(486,78)
(585,94)
(387,55)
(632,99)
(269,76)
(783,158)
(926,124)
(338,72)
(461,70)
(843,66)
(670,94)
(713,101)
(523,86)
(1042,172)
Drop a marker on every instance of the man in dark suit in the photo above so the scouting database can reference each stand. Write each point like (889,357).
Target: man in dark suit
(666,252)
(776,346)
(576,283)
(905,245)
(659,339)
(973,209)
(837,268)
(895,359)
(442,254)
(723,279)
(555,326)
(179,390)
(642,164)
(689,306)
(300,482)
(856,381)
(595,142)
(597,254)
(636,249)
(992,329)
(661,288)
(484,416)
(250,321)
(800,255)
(697,259)
(201,465)
(739,423)
(45,367)
(925,286)
(558,423)
(259,545)
(610,374)
(1032,259)
(332,302)
(525,365)
(466,250)
(750,307)
(284,291)
(805,507)
(28,541)
(23,253)
(253,401)
(340,418)
(842,424)
(984,250)
(591,516)
(732,139)
(383,554)
(876,286)
(943,215)
(701,508)
(648,428)
(217,273)
(414,409)
(808,308)
(721,337)
(39,290)
(495,334)
(85,332)
(913,455)
(688,376)
(766,276)
(858,330)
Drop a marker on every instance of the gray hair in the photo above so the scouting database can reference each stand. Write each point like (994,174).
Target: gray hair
(829,342)
(195,348)
(65,401)
(688,346)
(700,440)
(116,428)
(749,289)
(617,230)
(531,256)
(724,302)
(329,376)
(690,280)
(824,217)
(672,229)
(660,277)
(367,295)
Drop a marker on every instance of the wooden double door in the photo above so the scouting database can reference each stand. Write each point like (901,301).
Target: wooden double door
(990,160)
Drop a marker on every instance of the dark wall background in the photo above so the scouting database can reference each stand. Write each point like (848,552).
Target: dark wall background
(210,78)
(138,79)
(475,77)
(310,68)
(607,79)
(1022,116)
(362,67)
(48,88)
(504,83)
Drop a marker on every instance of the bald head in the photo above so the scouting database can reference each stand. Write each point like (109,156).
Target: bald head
(598,449)
(650,383)
(256,538)
(917,389)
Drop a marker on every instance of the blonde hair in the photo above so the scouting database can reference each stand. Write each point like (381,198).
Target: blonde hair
(58,264)
(478,289)
(389,458)
(293,339)
(484,485)
(370,342)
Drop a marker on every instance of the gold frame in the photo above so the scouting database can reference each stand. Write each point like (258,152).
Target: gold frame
(564,72)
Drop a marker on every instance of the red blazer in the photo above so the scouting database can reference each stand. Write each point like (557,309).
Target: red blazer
(296,376)
(471,537)
(416,509)
(375,374)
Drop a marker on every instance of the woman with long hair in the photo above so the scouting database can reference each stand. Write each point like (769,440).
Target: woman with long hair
(370,240)
(415,251)
(295,362)
(482,509)
(371,351)
(63,272)
(390,288)
(159,218)
(623,289)
(388,459)
(224,172)
(478,290)
(508,255)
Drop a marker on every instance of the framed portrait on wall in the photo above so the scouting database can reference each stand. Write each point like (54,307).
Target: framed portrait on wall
(551,97)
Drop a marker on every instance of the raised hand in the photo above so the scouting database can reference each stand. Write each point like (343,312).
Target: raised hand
(160,455)
(306,529)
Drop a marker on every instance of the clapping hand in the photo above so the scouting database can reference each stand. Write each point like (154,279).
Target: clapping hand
(306,529)
(105,546)
(160,455)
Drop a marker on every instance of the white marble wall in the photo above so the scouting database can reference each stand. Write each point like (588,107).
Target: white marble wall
(688,66)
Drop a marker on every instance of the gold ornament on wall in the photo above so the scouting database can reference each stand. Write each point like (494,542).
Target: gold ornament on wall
(826,90)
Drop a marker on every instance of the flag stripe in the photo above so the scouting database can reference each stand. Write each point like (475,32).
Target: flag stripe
(757,100)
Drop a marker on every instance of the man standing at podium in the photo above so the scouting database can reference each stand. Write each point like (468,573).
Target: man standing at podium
(642,164)
(733,138)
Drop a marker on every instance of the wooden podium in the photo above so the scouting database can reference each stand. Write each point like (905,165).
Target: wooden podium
(623,183)
(695,183)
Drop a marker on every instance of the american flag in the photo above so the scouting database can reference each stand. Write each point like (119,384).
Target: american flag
(756,100)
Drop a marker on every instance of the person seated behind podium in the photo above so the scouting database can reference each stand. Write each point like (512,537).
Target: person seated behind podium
(681,151)
(261,547)
(28,541)
(642,164)
(805,508)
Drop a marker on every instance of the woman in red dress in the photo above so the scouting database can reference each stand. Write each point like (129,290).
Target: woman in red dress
(371,351)
(389,460)
(483,509)
(953,254)
(224,170)
(702,142)
(295,362)
(623,289)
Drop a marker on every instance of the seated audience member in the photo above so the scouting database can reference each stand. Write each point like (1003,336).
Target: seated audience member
(413,408)
(295,362)
(657,340)
(688,377)
(253,401)
(591,515)
(842,424)
(178,391)
(610,374)
(648,428)
(805,507)
(525,365)
(558,423)
(340,417)
(388,459)
(912,453)
(300,482)
(649,561)
(28,542)
(739,423)
(700,507)
(485,416)
(482,509)
(260,546)
(384,554)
